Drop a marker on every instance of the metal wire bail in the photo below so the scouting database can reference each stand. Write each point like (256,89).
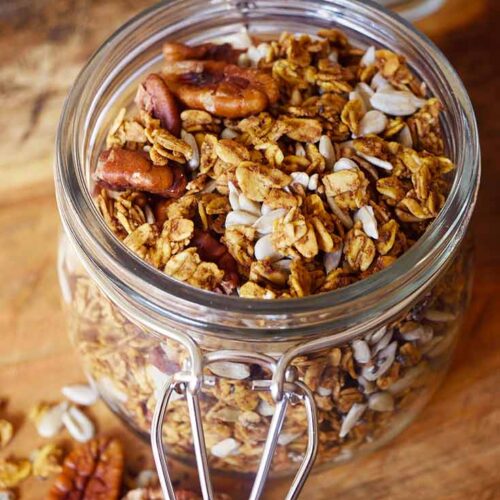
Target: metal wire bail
(294,392)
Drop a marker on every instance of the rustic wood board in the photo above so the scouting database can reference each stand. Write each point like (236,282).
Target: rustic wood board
(452,451)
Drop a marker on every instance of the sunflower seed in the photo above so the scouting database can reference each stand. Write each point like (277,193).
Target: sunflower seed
(333,56)
(109,390)
(228,369)
(407,380)
(296,97)
(240,217)
(422,333)
(299,150)
(264,224)
(78,424)
(210,187)
(324,391)
(287,438)
(225,414)
(313,182)
(374,337)
(373,122)
(80,394)
(361,351)
(145,478)
(365,92)
(396,102)
(368,386)
(159,380)
(331,260)
(225,448)
(351,419)
(229,133)
(265,209)
(194,162)
(380,83)
(300,178)
(404,137)
(344,218)
(282,265)
(234,196)
(439,316)
(265,409)
(255,54)
(50,423)
(355,95)
(367,218)
(264,249)
(150,216)
(327,150)
(383,342)
(384,362)
(381,401)
(249,206)
(368,57)
(376,161)
(344,164)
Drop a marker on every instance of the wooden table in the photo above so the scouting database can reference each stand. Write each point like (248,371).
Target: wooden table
(452,451)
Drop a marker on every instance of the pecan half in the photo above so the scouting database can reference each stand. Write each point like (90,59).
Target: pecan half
(121,169)
(222,89)
(92,470)
(211,250)
(179,183)
(154,97)
(174,52)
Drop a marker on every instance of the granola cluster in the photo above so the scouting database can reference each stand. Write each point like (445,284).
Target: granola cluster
(293,167)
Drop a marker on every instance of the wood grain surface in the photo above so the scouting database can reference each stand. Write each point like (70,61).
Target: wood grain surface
(452,451)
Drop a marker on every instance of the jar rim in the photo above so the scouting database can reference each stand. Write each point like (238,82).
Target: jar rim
(123,274)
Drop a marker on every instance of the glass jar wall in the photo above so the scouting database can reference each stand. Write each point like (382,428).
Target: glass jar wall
(413,9)
(366,389)
(371,353)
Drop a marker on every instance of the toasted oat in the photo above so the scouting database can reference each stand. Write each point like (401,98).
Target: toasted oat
(6,432)
(13,472)
(46,461)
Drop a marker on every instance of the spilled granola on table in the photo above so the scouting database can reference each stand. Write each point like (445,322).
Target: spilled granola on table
(287,169)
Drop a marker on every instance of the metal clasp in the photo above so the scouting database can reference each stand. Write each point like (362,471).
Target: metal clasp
(293,392)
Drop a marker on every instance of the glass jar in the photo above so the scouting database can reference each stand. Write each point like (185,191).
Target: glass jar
(412,9)
(324,377)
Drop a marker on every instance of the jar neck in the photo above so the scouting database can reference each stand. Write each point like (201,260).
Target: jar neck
(149,296)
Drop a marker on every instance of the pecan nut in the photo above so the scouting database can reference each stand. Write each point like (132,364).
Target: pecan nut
(220,88)
(211,250)
(121,169)
(154,97)
(173,52)
(93,470)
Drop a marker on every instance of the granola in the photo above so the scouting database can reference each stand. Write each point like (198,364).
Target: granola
(344,143)
(291,168)
(363,389)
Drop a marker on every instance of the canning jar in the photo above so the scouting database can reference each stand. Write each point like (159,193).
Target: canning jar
(259,386)
(412,9)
